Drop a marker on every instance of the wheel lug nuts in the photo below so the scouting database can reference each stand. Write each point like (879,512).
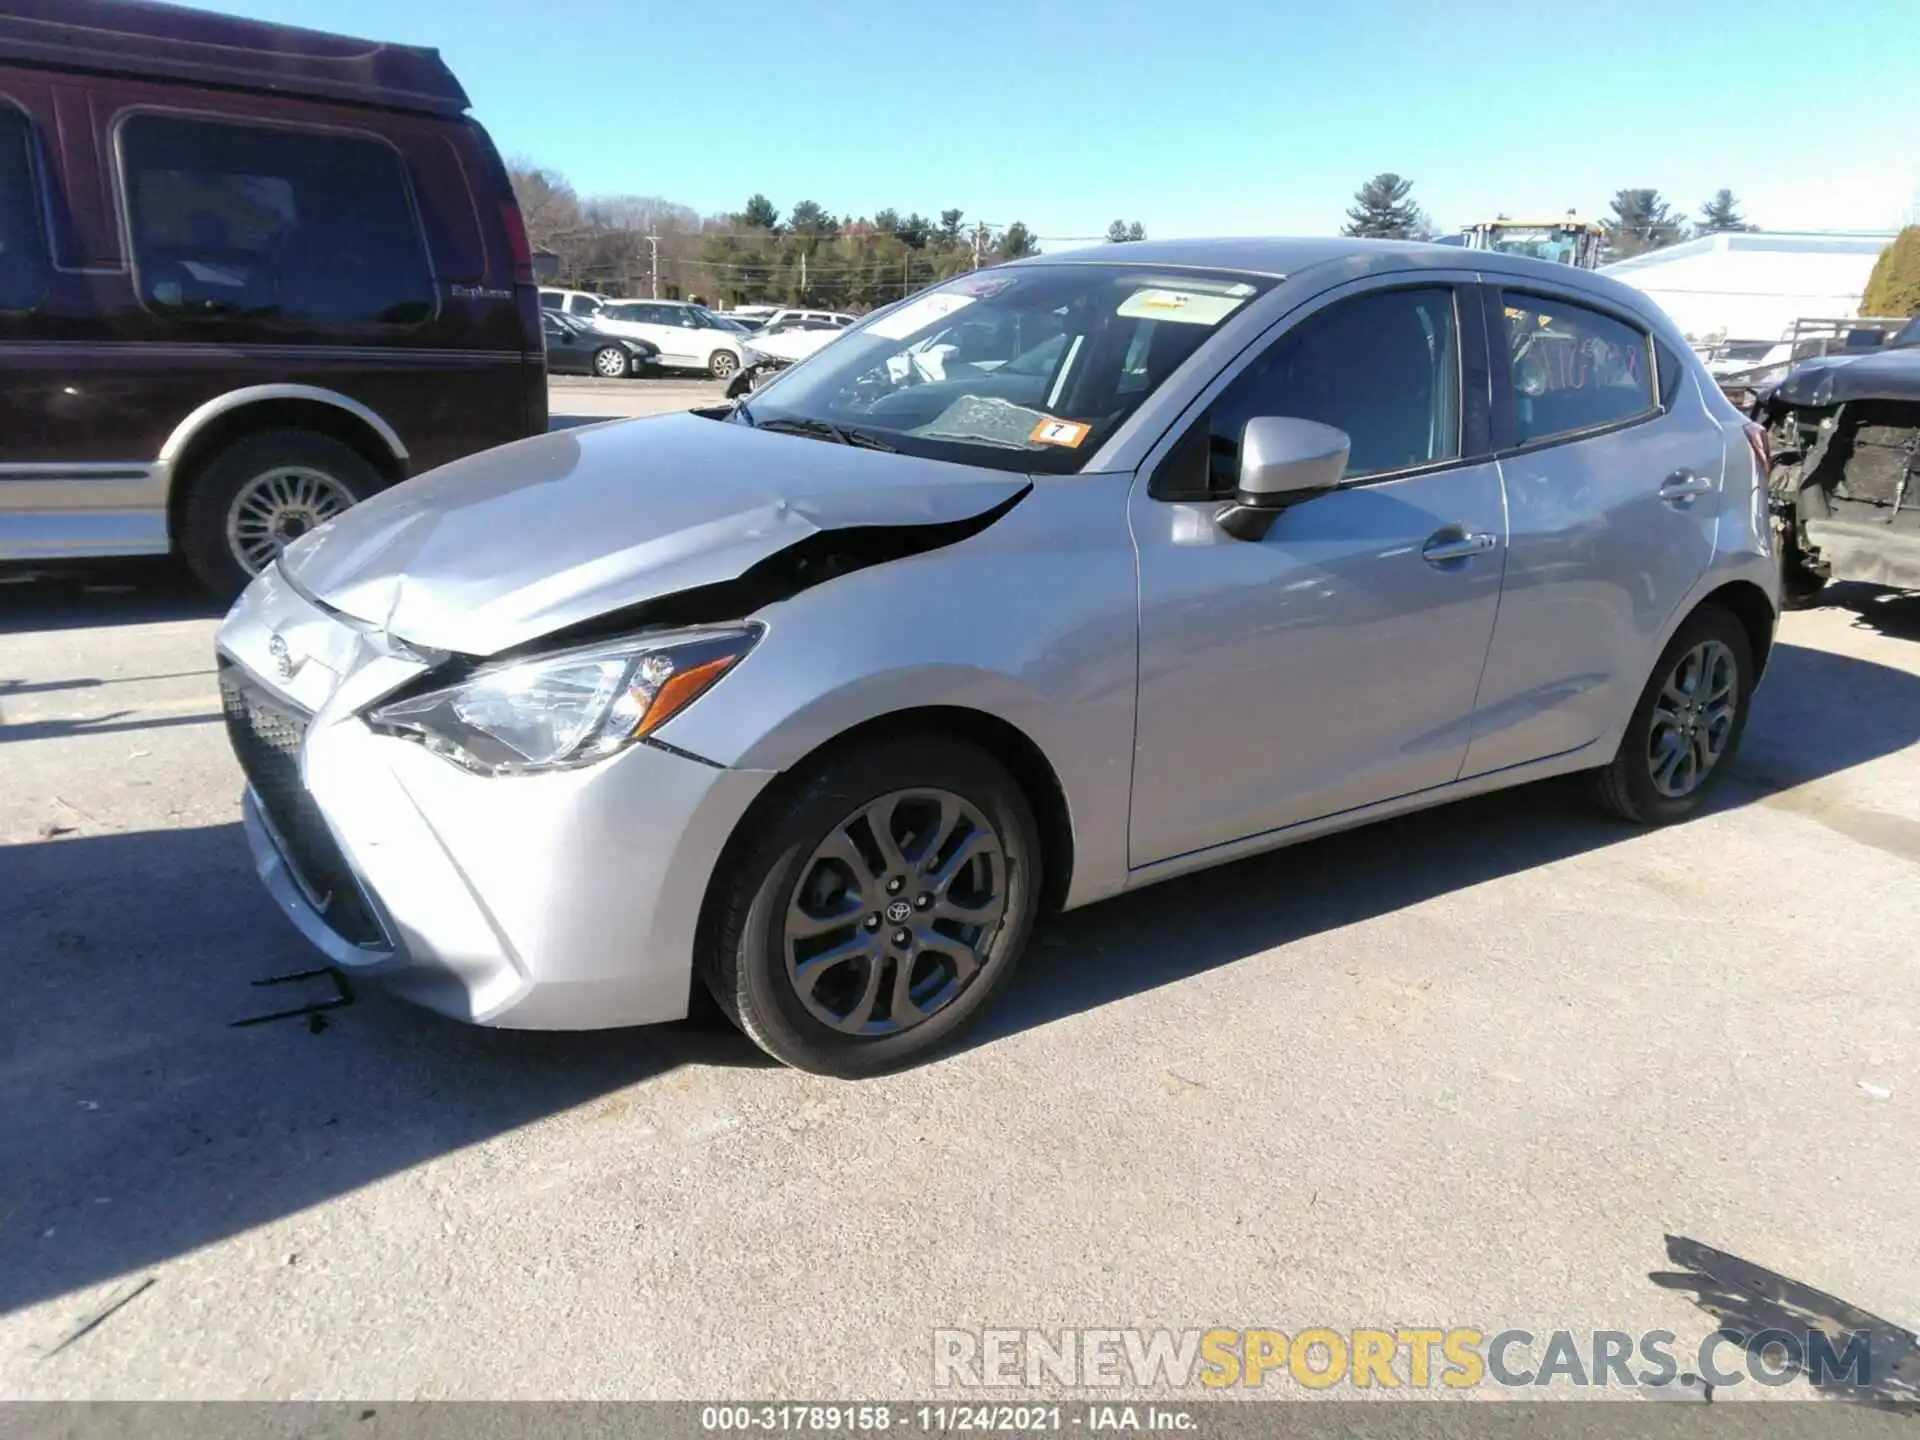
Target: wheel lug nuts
(873,922)
(923,902)
(895,885)
(901,937)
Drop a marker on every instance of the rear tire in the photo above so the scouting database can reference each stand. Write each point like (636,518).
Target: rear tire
(1680,743)
(913,972)
(229,495)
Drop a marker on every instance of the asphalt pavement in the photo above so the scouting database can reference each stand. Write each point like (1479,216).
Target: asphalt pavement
(1468,1068)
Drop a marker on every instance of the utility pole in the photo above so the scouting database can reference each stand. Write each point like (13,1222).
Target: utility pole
(653,266)
(803,277)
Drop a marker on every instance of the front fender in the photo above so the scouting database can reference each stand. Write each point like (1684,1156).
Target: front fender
(1031,622)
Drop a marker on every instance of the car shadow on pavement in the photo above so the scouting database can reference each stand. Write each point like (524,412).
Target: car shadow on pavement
(1891,612)
(1817,714)
(85,596)
(136,1125)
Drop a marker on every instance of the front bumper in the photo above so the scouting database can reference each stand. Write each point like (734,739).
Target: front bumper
(566,901)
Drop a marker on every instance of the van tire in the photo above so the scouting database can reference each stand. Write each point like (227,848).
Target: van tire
(215,486)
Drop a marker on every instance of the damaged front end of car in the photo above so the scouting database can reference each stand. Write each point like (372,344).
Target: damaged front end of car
(1844,477)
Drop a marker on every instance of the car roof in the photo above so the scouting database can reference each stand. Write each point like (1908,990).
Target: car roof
(1286,257)
(141,38)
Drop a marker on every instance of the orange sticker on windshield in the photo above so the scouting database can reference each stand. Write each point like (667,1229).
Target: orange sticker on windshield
(1059,432)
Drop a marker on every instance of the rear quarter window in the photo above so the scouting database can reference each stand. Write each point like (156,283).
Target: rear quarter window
(23,250)
(259,222)
(1673,370)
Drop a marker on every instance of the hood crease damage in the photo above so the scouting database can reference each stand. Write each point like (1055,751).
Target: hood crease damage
(676,520)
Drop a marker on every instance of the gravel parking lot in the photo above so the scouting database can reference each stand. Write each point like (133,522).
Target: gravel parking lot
(1466,1068)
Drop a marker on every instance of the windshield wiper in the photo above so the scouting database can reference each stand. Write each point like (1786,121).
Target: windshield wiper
(824,430)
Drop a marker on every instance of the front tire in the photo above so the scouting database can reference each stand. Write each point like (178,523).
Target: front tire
(610,363)
(875,908)
(722,364)
(260,494)
(1687,725)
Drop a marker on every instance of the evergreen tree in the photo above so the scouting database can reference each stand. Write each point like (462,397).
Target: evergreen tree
(1384,210)
(1722,212)
(1641,221)
(809,218)
(1016,242)
(760,214)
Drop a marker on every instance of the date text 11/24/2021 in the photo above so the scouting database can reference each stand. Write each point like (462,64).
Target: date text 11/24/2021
(872,1419)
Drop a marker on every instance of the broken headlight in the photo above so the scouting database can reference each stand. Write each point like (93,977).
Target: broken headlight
(561,711)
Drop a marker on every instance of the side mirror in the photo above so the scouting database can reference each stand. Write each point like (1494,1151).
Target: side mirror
(1282,460)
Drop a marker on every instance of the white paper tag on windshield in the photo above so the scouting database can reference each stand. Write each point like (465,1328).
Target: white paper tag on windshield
(916,315)
(1187,307)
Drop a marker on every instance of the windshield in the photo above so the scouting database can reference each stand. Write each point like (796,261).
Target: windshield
(1540,244)
(1028,369)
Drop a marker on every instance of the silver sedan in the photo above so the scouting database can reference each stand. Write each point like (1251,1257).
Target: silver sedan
(1054,581)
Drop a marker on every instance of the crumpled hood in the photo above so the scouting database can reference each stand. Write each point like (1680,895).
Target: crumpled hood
(1838,379)
(513,543)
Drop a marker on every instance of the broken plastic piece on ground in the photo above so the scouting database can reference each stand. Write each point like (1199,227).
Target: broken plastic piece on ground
(342,995)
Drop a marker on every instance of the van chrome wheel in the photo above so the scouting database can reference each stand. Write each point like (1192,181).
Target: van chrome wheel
(277,507)
(1693,718)
(895,912)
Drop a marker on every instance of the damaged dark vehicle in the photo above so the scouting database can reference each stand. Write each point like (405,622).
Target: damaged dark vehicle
(1056,580)
(1844,473)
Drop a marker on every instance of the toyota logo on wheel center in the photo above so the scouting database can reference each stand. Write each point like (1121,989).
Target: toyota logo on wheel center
(898,911)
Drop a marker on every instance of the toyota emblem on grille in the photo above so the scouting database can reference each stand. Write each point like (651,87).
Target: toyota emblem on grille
(283,664)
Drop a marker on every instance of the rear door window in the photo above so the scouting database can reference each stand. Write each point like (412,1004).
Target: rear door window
(23,251)
(1573,369)
(255,222)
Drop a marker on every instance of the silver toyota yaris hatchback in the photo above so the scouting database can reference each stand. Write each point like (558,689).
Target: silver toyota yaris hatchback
(1056,580)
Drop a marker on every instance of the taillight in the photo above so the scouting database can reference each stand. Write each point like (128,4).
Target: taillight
(517,245)
(1762,449)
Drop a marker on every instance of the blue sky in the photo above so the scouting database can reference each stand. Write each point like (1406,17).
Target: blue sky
(1237,117)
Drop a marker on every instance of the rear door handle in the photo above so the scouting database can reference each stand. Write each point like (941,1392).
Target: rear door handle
(1455,544)
(1684,485)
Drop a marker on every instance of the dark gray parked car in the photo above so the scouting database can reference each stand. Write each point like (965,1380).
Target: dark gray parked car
(575,347)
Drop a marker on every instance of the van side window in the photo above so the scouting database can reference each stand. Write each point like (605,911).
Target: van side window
(1573,368)
(23,252)
(253,222)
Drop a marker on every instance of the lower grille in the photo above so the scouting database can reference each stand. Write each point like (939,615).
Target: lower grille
(266,736)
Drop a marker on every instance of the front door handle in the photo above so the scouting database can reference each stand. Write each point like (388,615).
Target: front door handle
(1456,544)
(1683,485)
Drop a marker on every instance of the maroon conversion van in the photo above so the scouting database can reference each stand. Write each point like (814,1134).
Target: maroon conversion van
(249,274)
